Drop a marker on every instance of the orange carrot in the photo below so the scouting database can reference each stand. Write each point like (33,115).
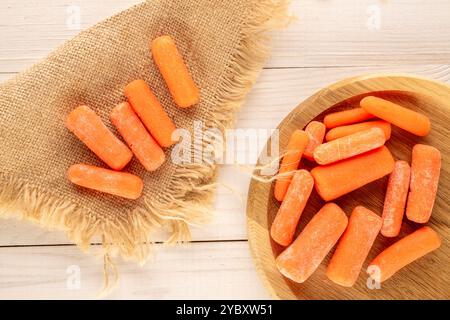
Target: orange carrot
(403,252)
(116,183)
(90,129)
(151,112)
(299,261)
(316,132)
(148,152)
(395,200)
(286,220)
(343,131)
(404,118)
(349,146)
(294,151)
(425,168)
(342,118)
(354,246)
(175,72)
(337,179)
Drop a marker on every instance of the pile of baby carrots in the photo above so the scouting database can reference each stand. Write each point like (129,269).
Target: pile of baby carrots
(142,122)
(352,156)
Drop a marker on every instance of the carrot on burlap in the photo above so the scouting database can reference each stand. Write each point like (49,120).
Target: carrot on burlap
(334,180)
(342,118)
(349,146)
(144,147)
(285,223)
(343,131)
(403,252)
(425,170)
(175,72)
(402,117)
(354,246)
(150,111)
(294,151)
(316,133)
(299,261)
(395,200)
(120,184)
(90,129)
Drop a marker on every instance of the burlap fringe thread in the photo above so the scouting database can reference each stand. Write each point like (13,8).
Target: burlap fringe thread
(189,197)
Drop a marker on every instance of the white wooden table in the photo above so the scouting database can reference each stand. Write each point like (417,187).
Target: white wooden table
(331,40)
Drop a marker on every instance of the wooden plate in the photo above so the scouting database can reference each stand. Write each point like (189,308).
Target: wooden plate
(429,277)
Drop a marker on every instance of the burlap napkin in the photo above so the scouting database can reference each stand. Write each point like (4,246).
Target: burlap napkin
(225,44)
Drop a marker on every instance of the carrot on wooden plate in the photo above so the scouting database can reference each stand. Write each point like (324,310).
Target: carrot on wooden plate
(144,147)
(150,111)
(175,72)
(294,152)
(299,261)
(336,179)
(354,246)
(403,252)
(395,200)
(316,133)
(402,117)
(90,129)
(425,170)
(120,184)
(283,227)
(343,131)
(349,146)
(342,118)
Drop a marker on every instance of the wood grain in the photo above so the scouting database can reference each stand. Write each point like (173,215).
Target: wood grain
(427,278)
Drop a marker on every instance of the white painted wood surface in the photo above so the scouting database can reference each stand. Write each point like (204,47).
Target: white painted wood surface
(330,40)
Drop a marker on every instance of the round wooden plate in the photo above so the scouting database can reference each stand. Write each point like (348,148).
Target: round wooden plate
(428,277)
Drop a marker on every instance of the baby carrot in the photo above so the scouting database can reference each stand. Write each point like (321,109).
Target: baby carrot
(116,183)
(294,151)
(425,168)
(316,132)
(90,129)
(299,261)
(342,118)
(404,118)
(175,72)
(145,148)
(286,220)
(349,146)
(343,131)
(403,252)
(334,180)
(354,246)
(395,200)
(151,112)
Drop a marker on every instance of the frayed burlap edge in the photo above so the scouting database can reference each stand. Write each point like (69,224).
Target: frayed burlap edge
(188,200)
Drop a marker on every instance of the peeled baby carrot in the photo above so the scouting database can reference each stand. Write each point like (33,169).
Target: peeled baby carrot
(334,180)
(395,200)
(116,183)
(425,169)
(342,118)
(90,129)
(294,151)
(151,112)
(404,118)
(403,252)
(144,147)
(316,132)
(343,131)
(299,261)
(286,220)
(349,146)
(354,246)
(175,72)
